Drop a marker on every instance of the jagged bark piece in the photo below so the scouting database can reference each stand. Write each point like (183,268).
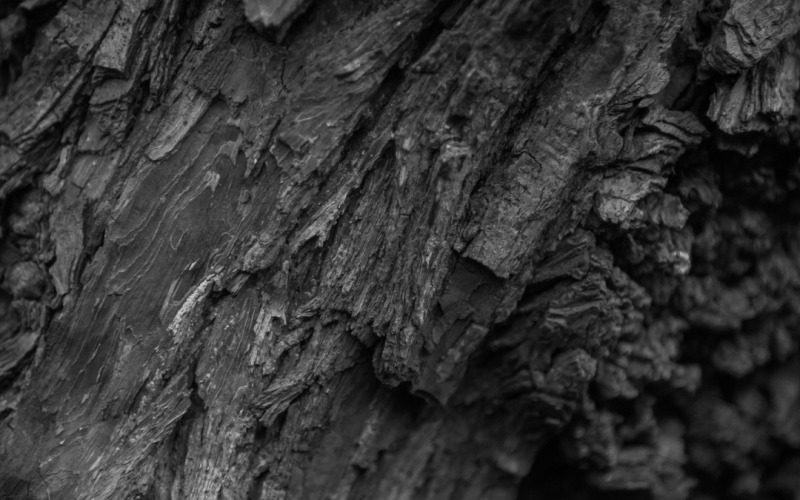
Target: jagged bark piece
(750,30)
(274,17)
(546,158)
(762,97)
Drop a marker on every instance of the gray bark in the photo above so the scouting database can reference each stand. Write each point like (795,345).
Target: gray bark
(420,249)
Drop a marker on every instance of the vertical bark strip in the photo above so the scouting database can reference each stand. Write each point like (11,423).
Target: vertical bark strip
(421,249)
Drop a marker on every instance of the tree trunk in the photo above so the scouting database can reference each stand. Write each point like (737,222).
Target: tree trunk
(422,249)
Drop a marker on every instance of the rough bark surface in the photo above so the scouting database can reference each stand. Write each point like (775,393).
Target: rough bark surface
(428,249)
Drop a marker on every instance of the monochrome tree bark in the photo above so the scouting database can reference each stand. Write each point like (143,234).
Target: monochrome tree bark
(410,249)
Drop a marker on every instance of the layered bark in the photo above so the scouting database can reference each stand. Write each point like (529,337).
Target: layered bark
(398,250)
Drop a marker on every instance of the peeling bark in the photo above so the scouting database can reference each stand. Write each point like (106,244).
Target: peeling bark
(423,249)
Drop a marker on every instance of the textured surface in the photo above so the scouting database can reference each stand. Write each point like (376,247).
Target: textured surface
(417,249)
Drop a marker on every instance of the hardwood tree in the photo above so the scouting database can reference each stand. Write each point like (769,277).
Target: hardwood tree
(428,249)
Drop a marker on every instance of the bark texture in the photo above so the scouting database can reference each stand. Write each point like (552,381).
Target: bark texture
(418,249)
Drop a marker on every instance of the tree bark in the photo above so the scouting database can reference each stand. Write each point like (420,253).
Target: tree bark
(428,249)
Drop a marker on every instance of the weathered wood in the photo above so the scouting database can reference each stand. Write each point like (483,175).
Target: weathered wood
(416,249)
